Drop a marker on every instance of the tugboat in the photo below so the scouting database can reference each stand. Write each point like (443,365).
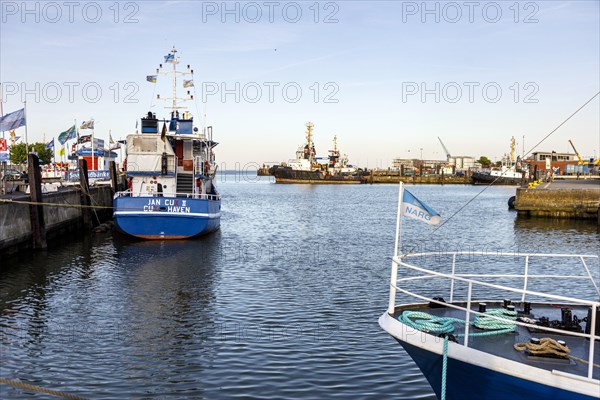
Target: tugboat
(170,174)
(472,341)
(510,173)
(307,168)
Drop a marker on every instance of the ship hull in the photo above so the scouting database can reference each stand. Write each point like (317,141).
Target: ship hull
(470,382)
(485,179)
(289,175)
(489,367)
(166,217)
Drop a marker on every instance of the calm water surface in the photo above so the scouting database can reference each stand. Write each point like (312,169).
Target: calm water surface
(282,302)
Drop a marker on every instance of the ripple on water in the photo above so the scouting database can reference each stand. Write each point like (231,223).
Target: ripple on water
(282,302)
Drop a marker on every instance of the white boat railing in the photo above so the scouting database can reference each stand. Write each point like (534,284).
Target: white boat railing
(473,280)
(128,193)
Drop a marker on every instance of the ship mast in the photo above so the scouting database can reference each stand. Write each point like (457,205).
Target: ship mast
(174,60)
(309,127)
(335,143)
(512,149)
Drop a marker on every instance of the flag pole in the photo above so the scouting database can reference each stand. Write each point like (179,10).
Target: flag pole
(92,149)
(3,162)
(26,140)
(398,241)
(76,145)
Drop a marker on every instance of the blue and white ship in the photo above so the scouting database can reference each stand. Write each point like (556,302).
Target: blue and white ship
(518,326)
(170,172)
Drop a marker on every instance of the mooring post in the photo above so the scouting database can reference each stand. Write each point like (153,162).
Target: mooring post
(112,166)
(36,210)
(86,213)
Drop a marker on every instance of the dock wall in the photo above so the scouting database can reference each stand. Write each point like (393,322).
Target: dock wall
(66,216)
(563,203)
(431,180)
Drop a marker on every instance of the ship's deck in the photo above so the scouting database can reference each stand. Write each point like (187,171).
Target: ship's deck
(502,345)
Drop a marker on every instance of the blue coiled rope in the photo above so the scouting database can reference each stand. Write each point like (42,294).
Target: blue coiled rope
(444,368)
(428,323)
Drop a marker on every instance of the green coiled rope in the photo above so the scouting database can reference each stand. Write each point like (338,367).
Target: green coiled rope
(428,323)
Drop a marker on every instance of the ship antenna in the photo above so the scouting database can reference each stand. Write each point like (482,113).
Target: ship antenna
(174,78)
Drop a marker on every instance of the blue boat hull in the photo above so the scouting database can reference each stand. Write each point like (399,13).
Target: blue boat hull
(166,217)
(470,382)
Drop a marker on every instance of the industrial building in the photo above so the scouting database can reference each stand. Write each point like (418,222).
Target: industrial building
(554,156)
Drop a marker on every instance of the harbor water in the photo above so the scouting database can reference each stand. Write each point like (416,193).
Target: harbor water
(282,302)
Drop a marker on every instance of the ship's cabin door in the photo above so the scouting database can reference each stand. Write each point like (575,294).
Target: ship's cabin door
(188,157)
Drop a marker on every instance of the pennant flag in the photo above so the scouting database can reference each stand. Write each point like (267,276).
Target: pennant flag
(415,208)
(17,138)
(151,78)
(169,58)
(69,134)
(116,146)
(187,83)
(122,141)
(13,120)
(61,152)
(163,134)
(110,139)
(87,124)
(50,144)
(84,139)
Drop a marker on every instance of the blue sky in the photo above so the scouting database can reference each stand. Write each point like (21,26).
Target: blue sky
(374,59)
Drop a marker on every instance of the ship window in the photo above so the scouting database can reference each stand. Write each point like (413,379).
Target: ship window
(144,145)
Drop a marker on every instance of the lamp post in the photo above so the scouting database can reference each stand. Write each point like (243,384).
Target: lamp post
(421,169)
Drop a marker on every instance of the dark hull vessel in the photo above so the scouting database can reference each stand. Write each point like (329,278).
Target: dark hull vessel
(285,174)
(482,178)
(306,167)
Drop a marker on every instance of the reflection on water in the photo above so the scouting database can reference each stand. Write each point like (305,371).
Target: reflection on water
(569,236)
(282,302)
(577,226)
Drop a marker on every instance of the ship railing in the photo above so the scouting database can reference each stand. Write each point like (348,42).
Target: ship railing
(130,193)
(473,281)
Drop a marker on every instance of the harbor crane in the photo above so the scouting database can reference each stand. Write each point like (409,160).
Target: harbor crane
(576,153)
(445,149)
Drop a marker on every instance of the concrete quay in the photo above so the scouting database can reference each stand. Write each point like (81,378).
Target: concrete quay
(62,214)
(578,199)
(28,221)
(426,180)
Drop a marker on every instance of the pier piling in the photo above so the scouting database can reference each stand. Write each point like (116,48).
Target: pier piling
(36,211)
(113,176)
(84,184)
